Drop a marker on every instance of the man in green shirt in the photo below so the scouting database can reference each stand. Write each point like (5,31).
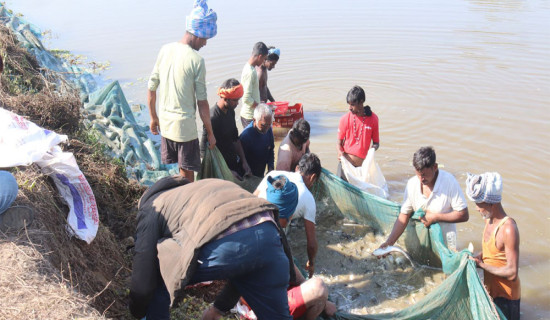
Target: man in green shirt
(251,84)
(178,83)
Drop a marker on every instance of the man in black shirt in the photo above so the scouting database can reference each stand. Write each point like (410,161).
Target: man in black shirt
(222,116)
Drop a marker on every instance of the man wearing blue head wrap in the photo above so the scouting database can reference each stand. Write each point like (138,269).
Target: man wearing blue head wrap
(273,55)
(283,193)
(307,172)
(179,76)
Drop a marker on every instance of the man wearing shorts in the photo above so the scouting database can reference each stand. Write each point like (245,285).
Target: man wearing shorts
(179,77)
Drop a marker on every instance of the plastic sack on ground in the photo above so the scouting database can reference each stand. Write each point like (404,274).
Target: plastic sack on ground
(23,142)
(83,219)
(368,177)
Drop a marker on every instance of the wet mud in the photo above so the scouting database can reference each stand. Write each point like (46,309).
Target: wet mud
(359,282)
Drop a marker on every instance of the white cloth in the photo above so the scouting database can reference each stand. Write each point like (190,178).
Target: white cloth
(368,177)
(486,187)
(306,207)
(446,197)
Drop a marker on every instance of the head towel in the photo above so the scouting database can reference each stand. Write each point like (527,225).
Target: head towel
(285,198)
(276,51)
(486,187)
(201,22)
(235,92)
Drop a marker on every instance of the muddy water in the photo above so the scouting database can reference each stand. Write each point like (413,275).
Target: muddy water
(469,77)
(359,282)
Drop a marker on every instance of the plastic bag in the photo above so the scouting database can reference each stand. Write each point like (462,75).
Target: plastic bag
(83,219)
(367,177)
(23,142)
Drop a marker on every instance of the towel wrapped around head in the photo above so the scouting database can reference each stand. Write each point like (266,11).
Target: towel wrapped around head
(275,51)
(201,22)
(486,187)
(233,93)
(286,197)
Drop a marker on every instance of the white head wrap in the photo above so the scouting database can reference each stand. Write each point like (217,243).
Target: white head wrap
(485,187)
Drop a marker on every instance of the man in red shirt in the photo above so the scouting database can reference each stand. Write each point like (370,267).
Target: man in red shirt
(356,130)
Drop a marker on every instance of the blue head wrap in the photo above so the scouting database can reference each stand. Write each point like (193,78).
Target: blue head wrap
(276,51)
(285,198)
(201,22)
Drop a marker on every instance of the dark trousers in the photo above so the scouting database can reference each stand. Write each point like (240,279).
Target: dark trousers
(510,308)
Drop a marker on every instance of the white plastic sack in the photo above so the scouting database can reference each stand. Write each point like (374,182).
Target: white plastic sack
(83,219)
(367,177)
(23,142)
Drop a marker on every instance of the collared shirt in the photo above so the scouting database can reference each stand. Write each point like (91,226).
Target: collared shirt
(446,197)
(251,86)
(179,79)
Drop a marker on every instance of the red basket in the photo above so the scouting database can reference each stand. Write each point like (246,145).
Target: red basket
(286,115)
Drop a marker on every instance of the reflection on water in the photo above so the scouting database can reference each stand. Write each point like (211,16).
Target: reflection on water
(470,78)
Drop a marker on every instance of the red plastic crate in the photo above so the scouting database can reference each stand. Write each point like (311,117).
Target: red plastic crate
(285,116)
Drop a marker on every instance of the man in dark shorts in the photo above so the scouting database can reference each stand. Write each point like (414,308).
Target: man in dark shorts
(179,75)
(222,116)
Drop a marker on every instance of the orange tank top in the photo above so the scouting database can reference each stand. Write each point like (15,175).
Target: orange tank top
(498,286)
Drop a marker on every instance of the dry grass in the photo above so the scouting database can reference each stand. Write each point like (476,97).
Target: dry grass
(44,273)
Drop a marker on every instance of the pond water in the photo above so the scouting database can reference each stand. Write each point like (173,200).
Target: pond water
(469,77)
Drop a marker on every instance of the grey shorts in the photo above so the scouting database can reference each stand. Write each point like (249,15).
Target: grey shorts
(186,154)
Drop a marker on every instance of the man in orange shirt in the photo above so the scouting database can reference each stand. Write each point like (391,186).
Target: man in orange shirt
(500,255)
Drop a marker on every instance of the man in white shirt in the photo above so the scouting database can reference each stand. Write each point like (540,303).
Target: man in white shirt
(307,172)
(435,191)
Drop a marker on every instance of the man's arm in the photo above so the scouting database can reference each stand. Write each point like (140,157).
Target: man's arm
(269,96)
(511,250)
(152,102)
(311,246)
(454,216)
(398,228)
(340,148)
(204,113)
(145,266)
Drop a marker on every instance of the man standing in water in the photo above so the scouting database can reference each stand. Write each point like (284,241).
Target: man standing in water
(500,255)
(179,75)
(273,55)
(357,129)
(251,84)
(436,192)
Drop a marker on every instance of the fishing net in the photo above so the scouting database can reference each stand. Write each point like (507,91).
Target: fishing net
(462,294)
(214,166)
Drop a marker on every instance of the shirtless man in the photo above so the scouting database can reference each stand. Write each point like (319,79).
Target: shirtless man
(293,146)
(500,255)
(268,65)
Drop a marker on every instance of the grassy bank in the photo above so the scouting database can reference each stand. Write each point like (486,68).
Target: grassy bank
(45,274)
